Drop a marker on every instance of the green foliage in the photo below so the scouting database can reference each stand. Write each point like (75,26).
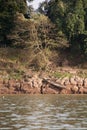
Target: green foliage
(57,25)
(85,42)
(70,17)
(56,12)
(8,10)
(75,19)
(82,73)
(62,75)
(21,6)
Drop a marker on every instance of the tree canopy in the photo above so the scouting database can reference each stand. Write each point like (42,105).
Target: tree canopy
(67,22)
(70,17)
(8,10)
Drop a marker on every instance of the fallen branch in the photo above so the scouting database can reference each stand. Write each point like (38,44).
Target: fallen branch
(50,82)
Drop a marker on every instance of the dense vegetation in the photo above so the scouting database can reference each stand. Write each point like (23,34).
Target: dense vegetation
(57,26)
(70,17)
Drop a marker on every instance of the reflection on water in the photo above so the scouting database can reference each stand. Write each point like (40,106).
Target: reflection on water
(43,112)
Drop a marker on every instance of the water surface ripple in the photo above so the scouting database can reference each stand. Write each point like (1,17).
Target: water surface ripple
(43,112)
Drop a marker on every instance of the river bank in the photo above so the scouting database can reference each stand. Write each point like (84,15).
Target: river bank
(43,84)
(22,72)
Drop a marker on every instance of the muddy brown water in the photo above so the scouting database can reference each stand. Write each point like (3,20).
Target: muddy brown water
(43,112)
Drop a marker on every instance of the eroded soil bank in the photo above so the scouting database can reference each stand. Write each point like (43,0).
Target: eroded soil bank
(37,84)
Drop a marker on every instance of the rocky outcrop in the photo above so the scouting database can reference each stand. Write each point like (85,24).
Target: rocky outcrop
(66,85)
(38,85)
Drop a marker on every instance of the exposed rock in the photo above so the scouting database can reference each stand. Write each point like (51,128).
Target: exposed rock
(68,87)
(36,85)
(85,90)
(49,88)
(73,81)
(59,80)
(85,83)
(79,81)
(17,86)
(12,83)
(65,91)
(65,80)
(81,90)
(74,89)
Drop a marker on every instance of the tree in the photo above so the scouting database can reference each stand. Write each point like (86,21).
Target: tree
(70,18)
(56,12)
(8,9)
(75,25)
(7,12)
(30,11)
(43,7)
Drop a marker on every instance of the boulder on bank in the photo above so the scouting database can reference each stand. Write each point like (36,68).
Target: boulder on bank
(38,85)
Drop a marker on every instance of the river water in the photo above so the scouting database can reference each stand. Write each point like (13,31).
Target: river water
(43,112)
